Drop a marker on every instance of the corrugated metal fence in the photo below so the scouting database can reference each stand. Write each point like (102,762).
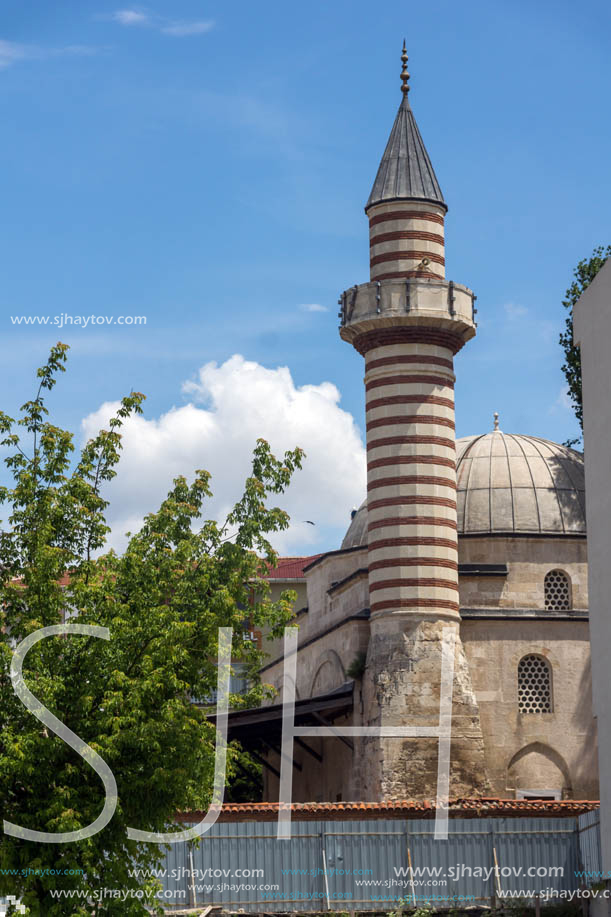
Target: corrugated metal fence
(589,845)
(364,864)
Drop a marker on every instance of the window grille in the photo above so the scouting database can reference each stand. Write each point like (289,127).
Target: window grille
(557,591)
(534,685)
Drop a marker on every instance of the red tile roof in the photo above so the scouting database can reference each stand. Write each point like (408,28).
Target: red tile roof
(459,808)
(291,567)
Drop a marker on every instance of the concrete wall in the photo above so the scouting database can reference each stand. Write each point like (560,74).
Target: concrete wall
(592,331)
(278,586)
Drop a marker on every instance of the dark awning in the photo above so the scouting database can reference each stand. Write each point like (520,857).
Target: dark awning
(265,723)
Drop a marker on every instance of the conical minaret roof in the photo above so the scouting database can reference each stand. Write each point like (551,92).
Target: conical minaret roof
(405,172)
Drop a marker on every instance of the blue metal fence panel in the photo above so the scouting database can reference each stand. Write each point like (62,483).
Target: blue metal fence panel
(174,875)
(589,846)
(537,854)
(363,864)
(360,853)
(242,865)
(464,862)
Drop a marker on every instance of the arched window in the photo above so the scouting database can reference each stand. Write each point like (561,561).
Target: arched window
(557,588)
(534,685)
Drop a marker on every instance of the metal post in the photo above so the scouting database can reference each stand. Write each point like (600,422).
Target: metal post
(192,871)
(411,872)
(497,875)
(348,315)
(493,901)
(324,867)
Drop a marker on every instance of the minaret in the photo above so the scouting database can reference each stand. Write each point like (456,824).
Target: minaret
(408,322)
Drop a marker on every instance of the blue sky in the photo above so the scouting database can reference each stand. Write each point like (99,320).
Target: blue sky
(206,164)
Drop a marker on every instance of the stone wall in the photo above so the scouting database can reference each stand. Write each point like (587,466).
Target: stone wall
(528,560)
(527,750)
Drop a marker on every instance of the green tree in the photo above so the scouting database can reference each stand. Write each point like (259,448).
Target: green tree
(163,600)
(584,274)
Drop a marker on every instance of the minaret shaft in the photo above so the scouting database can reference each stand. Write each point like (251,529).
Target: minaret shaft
(411,480)
(407,240)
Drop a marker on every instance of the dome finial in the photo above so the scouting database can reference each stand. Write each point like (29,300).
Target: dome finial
(404,73)
(496,420)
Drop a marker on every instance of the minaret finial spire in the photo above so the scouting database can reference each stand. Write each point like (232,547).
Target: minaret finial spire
(404,73)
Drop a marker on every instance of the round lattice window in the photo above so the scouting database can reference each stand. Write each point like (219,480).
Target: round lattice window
(557,591)
(534,685)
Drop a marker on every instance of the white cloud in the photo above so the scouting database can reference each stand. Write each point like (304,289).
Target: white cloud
(514,311)
(176,28)
(181,29)
(130,17)
(12,52)
(232,405)
(563,400)
(312,307)
(75,50)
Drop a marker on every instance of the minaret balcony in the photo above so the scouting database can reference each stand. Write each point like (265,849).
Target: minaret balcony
(439,304)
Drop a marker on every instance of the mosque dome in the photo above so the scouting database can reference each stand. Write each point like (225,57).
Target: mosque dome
(509,484)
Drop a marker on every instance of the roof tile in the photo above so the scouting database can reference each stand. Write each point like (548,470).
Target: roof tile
(291,567)
(473,807)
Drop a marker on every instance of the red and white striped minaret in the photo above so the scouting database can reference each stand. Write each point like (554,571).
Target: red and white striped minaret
(408,322)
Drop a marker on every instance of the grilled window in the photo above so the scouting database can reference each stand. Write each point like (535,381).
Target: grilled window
(557,591)
(534,685)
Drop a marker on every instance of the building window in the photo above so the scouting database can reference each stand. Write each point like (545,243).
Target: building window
(557,591)
(534,685)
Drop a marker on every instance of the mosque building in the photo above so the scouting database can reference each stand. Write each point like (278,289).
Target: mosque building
(480,541)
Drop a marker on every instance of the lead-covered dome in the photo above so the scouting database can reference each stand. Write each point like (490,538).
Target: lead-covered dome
(519,485)
(510,484)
